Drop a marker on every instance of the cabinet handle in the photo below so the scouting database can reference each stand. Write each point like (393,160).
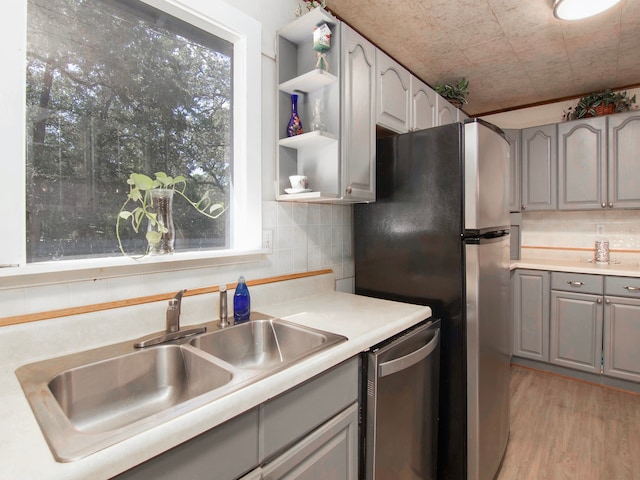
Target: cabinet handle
(599,300)
(349,190)
(603,205)
(631,289)
(575,284)
(607,301)
(610,204)
(524,207)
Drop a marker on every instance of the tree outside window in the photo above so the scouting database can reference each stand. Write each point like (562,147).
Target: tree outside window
(115,87)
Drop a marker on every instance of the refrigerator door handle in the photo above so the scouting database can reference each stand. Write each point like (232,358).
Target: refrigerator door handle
(402,363)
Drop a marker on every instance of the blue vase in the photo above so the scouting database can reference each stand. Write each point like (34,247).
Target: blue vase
(295,125)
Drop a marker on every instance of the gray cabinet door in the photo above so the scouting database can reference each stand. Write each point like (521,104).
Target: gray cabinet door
(582,164)
(393,99)
(515,165)
(358,122)
(539,168)
(624,160)
(576,330)
(622,338)
(423,105)
(330,452)
(531,314)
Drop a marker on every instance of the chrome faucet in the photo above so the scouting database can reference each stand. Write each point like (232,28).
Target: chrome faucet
(173,326)
(173,312)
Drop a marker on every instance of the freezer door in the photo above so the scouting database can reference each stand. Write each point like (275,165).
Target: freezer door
(488,355)
(486,179)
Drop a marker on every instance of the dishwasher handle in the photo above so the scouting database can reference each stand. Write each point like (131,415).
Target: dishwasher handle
(402,363)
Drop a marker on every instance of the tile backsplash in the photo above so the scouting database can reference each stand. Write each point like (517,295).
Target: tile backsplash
(544,234)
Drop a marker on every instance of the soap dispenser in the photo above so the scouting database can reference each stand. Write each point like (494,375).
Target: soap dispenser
(241,302)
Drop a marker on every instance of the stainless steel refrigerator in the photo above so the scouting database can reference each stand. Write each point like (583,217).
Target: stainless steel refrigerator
(438,235)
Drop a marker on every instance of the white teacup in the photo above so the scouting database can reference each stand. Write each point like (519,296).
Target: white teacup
(298,182)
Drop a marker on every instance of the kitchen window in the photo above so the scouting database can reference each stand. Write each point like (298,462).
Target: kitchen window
(121,86)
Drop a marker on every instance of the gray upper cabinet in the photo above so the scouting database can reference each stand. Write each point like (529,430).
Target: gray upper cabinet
(403,102)
(447,113)
(582,164)
(539,168)
(515,164)
(530,294)
(358,140)
(624,160)
(393,104)
(423,105)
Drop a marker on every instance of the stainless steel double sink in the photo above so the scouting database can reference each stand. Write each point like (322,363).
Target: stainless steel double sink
(90,400)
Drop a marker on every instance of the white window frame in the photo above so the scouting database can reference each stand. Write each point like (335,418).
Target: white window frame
(214,16)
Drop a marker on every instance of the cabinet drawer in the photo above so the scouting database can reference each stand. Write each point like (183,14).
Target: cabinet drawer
(577,282)
(295,413)
(622,286)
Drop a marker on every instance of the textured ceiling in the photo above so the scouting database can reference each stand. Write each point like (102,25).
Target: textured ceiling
(513,52)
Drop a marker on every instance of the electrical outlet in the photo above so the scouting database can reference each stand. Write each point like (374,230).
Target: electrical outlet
(600,229)
(267,240)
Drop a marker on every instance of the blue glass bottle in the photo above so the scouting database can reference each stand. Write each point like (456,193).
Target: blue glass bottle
(295,125)
(241,302)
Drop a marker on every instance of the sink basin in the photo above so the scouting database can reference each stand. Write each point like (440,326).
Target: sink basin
(90,400)
(114,393)
(265,345)
(87,401)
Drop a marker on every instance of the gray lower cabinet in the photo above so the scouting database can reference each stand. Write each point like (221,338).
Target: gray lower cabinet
(307,430)
(622,328)
(330,452)
(225,452)
(576,321)
(530,290)
(576,330)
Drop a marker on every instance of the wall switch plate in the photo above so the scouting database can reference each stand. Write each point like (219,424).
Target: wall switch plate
(600,229)
(267,240)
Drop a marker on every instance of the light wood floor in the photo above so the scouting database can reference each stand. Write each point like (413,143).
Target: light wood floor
(566,429)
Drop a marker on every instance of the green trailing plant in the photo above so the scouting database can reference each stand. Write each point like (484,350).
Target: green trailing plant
(136,208)
(588,105)
(456,93)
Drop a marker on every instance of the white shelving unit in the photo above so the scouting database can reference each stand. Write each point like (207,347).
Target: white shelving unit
(332,159)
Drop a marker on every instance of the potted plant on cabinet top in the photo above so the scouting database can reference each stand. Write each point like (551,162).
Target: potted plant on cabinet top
(599,103)
(455,93)
(152,200)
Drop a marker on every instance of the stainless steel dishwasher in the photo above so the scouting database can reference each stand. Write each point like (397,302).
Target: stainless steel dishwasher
(402,406)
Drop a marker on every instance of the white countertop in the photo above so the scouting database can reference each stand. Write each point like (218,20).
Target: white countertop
(622,270)
(24,453)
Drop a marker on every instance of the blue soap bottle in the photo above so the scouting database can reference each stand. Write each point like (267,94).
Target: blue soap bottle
(241,302)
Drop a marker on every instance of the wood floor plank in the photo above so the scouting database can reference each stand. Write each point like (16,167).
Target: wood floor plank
(565,429)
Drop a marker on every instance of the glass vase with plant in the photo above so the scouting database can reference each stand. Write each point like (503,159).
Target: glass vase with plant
(149,201)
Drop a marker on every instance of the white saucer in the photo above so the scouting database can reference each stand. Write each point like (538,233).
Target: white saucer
(297,190)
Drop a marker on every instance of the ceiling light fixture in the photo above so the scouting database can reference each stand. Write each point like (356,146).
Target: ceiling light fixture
(579,9)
